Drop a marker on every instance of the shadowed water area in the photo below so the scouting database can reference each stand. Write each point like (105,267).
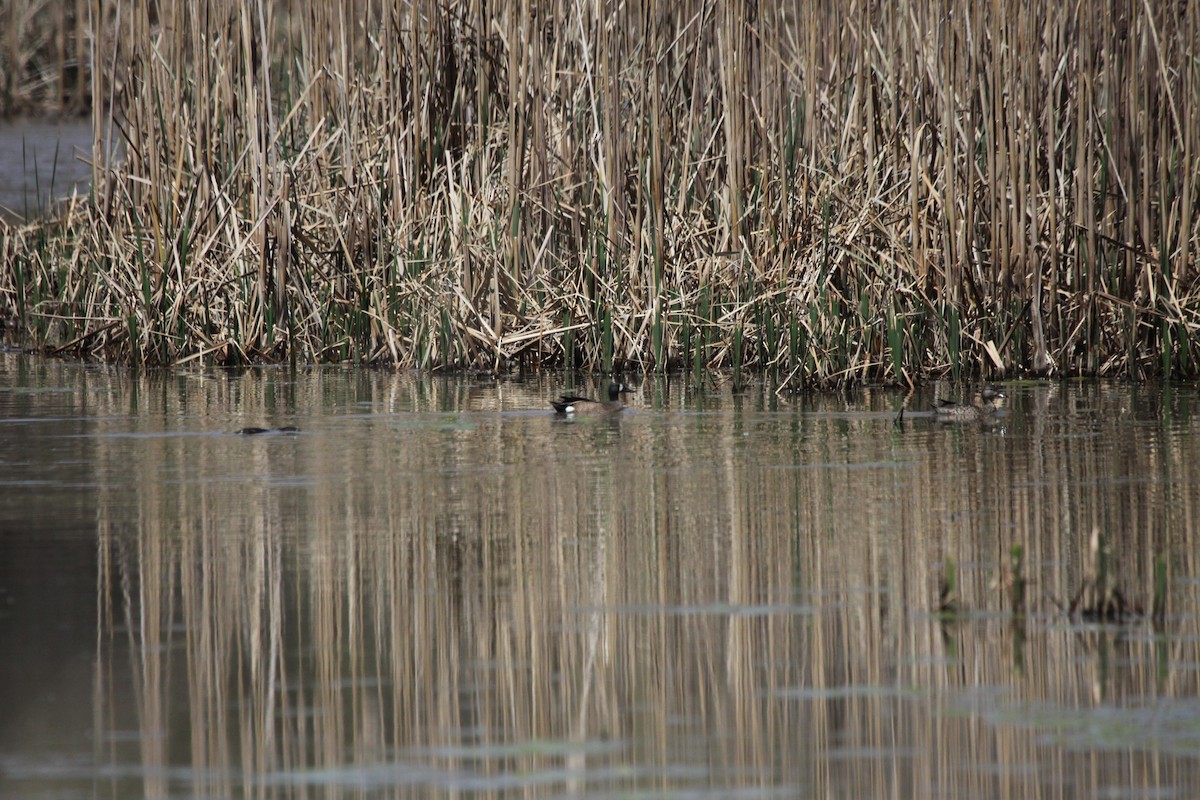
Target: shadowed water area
(437,588)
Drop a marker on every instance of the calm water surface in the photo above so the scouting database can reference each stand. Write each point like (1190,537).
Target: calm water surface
(42,161)
(436,589)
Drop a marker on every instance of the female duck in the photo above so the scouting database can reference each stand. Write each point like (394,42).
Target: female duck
(987,405)
(571,405)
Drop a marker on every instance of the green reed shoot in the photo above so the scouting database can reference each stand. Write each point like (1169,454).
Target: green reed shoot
(1159,604)
(1017,581)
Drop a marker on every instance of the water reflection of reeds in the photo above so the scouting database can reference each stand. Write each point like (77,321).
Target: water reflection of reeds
(502,604)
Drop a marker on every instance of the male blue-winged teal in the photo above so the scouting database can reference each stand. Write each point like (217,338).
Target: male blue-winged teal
(570,405)
(987,405)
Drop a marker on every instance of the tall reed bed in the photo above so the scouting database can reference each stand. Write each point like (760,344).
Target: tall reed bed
(830,193)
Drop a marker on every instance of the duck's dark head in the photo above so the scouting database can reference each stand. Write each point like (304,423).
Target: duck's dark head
(615,390)
(992,395)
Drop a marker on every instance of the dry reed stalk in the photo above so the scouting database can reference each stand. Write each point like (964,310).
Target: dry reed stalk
(833,194)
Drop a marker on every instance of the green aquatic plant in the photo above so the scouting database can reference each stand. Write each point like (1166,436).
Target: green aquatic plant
(1158,607)
(948,588)
(1016,580)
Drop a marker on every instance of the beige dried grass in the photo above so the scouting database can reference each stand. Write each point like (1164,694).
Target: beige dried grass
(835,194)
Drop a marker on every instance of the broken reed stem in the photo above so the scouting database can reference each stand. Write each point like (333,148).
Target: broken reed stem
(841,194)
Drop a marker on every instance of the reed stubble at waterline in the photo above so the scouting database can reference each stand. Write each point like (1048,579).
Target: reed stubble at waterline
(830,195)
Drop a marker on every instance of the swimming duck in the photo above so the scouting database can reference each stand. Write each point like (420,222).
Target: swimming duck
(256,431)
(570,405)
(987,404)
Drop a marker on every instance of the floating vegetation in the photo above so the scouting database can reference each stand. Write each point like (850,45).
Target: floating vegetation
(1109,605)
(1099,599)
(948,589)
(833,194)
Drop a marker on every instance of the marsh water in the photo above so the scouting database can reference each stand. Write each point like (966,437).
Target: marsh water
(42,161)
(437,588)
